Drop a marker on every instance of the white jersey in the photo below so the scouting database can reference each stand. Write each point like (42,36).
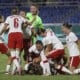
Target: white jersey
(43,56)
(1,37)
(52,39)
(72,45)
(28,30)
(34,49)
(15,23)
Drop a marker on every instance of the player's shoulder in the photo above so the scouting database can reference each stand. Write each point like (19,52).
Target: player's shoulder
(28,14)
(33,46)
(11,16)
(39,18)
(72,34)
(8,17)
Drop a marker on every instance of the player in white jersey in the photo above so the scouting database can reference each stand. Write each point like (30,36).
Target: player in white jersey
(15,39)
(54,48)
(50,37)
(37,54)
(71,43)
(3,46)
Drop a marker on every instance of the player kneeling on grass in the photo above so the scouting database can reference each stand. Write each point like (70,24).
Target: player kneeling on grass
(74,54)
(57,49)
(37,54)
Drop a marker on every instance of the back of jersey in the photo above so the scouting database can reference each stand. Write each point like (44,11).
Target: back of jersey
(15,23)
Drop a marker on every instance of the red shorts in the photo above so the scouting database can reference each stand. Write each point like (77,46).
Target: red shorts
(74,61)
(15,40)
(56,54)
(3,48)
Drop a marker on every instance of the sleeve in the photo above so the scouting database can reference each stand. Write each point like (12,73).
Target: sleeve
(40,23)
(31,49)
(28,15)
(24,20)
(7,20)
(73,37)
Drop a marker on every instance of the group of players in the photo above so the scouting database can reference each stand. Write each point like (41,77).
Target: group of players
(44,53)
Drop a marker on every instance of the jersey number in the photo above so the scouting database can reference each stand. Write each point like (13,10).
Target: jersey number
(16,22)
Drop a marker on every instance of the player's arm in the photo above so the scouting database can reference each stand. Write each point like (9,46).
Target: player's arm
(78,43)
(40,23)
(36,60)
(30,22)
(31,49)
(4,29)
(5,25)
(75,39)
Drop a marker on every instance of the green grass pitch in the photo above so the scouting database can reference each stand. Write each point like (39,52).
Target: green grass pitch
(3,76)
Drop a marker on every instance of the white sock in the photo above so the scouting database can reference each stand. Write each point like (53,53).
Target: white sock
(14,68)
(8,68)
(26,67)
(64,69)
(15,61)
(76,71)
(17,53)
(42,65)
(47,68)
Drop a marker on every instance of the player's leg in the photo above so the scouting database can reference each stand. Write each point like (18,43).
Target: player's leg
(55,54)
(26,46)
(19,47)
(4,50)
(74,63)
(15,61)
(42,65)
(46,68)
(76,71)
(12,47)
(9,62)
(63,69)
(26,66)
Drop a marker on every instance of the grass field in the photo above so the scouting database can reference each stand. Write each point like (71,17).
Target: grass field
(3,76)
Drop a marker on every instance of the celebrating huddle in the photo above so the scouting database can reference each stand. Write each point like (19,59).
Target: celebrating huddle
(44,51)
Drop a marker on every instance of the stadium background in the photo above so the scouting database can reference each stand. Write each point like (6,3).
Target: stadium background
(53,14)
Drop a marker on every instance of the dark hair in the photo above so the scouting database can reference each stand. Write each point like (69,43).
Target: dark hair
(34,5)
(14,10)
(41,30)
(39,42)
(67,25)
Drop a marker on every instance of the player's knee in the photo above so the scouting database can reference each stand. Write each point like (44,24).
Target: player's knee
(14,58)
